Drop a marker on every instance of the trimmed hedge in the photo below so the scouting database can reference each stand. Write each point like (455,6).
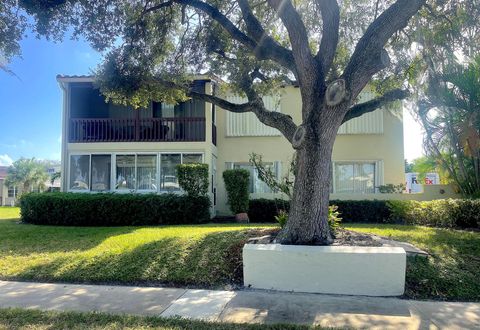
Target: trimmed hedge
(193,178)
(265,210)
(447,213)
(236,184)
(364,211)
(81,209)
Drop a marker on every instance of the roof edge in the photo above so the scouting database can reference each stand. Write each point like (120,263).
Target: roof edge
(91,78)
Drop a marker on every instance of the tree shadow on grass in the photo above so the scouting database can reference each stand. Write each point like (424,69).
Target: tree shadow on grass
(24,239)
(212,261)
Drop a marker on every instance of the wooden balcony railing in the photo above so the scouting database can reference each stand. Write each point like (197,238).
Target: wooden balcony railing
(137,130)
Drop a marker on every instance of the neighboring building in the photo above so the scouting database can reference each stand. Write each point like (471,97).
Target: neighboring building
(7,194)
(108,147)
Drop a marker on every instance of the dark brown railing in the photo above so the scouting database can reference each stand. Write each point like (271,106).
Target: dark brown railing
(137,130)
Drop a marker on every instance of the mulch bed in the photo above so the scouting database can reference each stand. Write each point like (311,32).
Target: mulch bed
(342,237)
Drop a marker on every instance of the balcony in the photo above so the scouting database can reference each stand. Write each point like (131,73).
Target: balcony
(170,129)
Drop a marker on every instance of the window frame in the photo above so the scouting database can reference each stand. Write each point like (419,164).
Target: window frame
(376,179)
(14,188)
(255,177)
(69,189)
(113,170)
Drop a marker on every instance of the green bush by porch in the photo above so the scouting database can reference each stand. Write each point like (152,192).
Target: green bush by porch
(193,178)
(80,209)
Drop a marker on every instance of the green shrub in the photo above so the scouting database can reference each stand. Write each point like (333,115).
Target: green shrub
(265,210)
(81,209)
(282,218)
(193,179)
(236,184)
(446,213)
(365,211)
(334,219)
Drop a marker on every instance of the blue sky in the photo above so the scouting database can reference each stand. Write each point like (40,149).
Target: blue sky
(30,111)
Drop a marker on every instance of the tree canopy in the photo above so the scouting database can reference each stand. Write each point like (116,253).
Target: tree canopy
(27,174)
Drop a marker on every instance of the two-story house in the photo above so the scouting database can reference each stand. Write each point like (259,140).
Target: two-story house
(107,147)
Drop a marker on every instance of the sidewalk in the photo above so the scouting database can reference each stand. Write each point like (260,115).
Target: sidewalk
(244,306)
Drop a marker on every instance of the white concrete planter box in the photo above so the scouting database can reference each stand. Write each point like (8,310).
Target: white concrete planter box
(352,270)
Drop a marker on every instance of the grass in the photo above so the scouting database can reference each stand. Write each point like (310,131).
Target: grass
(37,320)
(452,270)
(209,256)
(197,256)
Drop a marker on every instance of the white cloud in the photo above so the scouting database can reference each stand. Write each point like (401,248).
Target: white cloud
(5,160)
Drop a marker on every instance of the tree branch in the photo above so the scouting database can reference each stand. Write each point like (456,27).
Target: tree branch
(280,121)
(366,107)
(297,33)
(224,104)
(265,51)
(331,22)
(264,41)
(369,56)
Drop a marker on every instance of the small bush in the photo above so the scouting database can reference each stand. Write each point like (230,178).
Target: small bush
(334,219)
(193,179)
(236,184)
(81,209)
(282,218)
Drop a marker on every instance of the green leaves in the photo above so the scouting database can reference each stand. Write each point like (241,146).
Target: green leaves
(27,173)
(193,179)
(236,184)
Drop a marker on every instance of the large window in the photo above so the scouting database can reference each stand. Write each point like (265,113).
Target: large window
(255,184)
(125,172)
(168,178)
(79,172)
(101,168)
(354,177)
(147,172)
(131,172)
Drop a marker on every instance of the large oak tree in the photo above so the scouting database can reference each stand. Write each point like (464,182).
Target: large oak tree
(330,52)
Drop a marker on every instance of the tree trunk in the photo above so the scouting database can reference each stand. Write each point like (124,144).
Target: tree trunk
(308,218)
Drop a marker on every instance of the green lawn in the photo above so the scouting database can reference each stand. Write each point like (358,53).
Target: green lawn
(36,320)
(209,255)
(451,273)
